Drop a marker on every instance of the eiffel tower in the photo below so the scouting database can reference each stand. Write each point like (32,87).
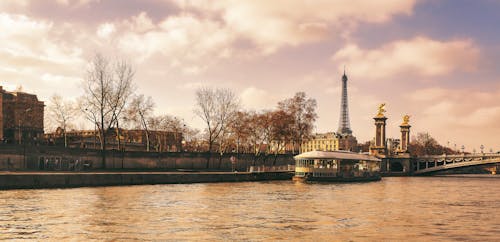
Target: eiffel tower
(344,124)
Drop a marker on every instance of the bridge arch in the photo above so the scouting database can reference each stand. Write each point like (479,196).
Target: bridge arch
(396,166)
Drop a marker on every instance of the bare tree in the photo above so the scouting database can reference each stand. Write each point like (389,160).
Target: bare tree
(107,89)
(124,75)
(215,107)
(140,111)
(167,123)
(61,112)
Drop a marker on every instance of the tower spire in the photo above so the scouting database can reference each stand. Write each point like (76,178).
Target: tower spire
(344,123)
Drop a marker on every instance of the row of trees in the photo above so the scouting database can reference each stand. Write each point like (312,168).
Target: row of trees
(110,103)
(230,128)
(425,144)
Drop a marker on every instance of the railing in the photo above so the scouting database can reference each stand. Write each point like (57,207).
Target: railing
(459,156)
(442,162)
(285,168)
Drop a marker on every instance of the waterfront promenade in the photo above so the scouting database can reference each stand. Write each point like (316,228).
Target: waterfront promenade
(30,180)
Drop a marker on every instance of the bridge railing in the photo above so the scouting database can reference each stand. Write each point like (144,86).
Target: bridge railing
(434,157)
(433,162)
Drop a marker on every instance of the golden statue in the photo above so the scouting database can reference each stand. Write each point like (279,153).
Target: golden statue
(381,110)
(406,119)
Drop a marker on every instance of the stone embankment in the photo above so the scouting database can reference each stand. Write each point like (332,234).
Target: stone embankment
(35,180)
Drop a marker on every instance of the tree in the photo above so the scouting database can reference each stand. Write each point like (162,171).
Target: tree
(107,88)
(303,111)
(258,132)
(123,90)
(140,111)
(215,107)
(240,128)
(281,130)
(425,144)
(167,123)
(61,112)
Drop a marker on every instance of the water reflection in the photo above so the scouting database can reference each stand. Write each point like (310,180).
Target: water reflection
(394,209)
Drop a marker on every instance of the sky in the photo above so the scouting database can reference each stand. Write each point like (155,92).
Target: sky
(437,61)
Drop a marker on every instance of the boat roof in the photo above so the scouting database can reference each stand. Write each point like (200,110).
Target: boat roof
(341,155)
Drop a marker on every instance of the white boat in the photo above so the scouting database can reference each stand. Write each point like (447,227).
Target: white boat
(336,166)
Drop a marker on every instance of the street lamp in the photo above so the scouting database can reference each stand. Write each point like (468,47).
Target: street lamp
(463,148)
(482,148)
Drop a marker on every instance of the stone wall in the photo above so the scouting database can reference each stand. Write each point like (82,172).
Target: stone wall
(19,157)
(87,179)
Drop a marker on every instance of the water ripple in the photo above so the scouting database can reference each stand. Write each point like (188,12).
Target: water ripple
(394,209)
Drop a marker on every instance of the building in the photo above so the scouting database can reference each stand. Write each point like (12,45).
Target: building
(21,117)
(130,140)
(321,142)
(348,142)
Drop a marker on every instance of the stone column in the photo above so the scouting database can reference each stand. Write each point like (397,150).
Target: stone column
(405,134)
(379,147)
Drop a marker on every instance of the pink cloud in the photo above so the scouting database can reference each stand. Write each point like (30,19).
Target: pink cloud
(274,24)
(419,56)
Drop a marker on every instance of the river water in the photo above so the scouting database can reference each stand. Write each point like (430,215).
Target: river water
(396,208)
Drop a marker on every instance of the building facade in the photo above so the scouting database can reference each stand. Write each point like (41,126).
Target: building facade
(21,117)
(321,142)
(124,139)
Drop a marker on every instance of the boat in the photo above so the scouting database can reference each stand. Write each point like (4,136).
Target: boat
(336,166)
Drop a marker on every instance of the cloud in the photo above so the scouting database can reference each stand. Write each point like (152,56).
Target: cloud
(31,52)
(275,24)
(457,115)
(77,3)
(419,56)
(183,40)
(105,30)
(258,99)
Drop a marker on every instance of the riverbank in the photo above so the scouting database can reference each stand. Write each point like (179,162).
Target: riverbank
(35,180)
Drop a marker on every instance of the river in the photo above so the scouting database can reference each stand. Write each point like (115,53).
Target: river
(396,208)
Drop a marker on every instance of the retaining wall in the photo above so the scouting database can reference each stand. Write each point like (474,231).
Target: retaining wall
(72,179)
(17,157)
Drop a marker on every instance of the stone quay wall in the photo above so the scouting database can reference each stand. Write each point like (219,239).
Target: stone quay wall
(50,158)
(35,180)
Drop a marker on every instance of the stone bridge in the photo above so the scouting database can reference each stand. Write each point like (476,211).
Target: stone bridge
(428,164)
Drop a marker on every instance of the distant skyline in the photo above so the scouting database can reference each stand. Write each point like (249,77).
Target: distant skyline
(438,61)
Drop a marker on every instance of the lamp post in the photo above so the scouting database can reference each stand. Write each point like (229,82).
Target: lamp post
(482,148)
(463,149)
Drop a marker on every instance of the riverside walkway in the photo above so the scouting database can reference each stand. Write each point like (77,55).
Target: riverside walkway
(54,179)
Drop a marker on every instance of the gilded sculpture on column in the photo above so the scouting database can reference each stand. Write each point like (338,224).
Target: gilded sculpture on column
(381,110)
(406,119)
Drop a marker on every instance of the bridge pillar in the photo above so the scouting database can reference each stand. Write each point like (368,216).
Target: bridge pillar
(379,147)
(405,134)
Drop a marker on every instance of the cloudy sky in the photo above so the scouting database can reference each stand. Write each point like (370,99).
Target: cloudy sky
(438,61)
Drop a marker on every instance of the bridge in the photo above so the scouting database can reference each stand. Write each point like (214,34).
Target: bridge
(427,164)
